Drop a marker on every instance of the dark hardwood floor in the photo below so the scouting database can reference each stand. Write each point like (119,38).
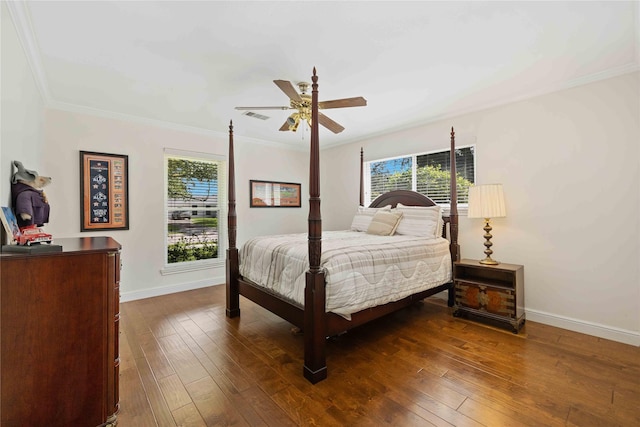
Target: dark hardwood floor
(183,363)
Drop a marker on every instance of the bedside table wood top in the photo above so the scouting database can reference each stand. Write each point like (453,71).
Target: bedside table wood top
(501,266)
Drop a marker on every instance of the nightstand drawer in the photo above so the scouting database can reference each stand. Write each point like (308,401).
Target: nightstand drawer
(498,301)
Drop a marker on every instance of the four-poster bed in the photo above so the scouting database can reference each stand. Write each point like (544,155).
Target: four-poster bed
(310,314)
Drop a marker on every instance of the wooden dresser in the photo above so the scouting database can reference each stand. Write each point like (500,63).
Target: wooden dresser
(59,314)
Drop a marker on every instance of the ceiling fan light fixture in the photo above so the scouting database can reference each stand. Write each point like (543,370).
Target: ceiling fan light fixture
(303,86)
(300,101)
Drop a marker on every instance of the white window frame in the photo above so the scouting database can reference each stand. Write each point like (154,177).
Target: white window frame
(187,266)
(462,207)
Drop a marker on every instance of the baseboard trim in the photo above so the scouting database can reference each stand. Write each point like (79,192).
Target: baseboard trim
(597,330)
(607,332)
(602,331)
(166,290)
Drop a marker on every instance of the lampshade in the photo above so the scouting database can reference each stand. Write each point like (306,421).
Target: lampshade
(486,201)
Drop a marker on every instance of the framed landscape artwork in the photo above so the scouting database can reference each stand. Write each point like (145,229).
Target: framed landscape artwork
(274,194)
(104,191)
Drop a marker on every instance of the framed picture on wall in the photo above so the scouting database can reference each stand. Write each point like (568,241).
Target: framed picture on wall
(274,194)
(104,191)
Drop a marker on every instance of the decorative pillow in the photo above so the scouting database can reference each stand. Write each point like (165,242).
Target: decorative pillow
(363,217)
(420,221)
(384,223)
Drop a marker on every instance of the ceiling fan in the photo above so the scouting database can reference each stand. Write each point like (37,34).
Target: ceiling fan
(301,102)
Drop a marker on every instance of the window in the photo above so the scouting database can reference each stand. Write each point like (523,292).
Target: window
(195,204)
(426,173)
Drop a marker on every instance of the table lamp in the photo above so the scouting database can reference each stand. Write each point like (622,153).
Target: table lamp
(487,201)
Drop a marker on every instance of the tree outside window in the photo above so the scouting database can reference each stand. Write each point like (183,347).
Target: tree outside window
(193,209)
(427,173)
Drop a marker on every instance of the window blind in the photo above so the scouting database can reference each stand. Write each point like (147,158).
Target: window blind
(195,195)
(425,173)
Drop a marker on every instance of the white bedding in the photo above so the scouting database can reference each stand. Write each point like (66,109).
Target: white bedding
(362,270)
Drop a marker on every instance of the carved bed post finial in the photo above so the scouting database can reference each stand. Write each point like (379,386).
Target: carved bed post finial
(361,176)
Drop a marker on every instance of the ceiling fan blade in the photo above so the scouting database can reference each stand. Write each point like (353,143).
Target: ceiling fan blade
(342,103)
(262,108)
(288,89)
(284,127)
(329,124)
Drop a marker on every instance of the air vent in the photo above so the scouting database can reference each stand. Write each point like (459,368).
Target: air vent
(255,115)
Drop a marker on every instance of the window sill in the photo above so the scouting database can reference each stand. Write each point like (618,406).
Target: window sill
(462,210)
(186,267)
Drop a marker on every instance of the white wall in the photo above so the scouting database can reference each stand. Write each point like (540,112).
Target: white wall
(569,163)
(21,118)
(68,133)
(267,162)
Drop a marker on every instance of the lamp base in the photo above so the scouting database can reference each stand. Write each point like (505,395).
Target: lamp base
(487,244)
(489,261)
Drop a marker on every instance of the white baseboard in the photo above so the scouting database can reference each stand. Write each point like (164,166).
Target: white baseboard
(607,332)
(155,292)
(597,330)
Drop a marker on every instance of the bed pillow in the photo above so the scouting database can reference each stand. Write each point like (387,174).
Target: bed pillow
(384,223)
(363,217)
(420,221)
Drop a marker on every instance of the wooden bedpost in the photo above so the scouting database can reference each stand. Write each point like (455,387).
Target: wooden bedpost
(453,214)
(315,366)
(361,176)
(233,268)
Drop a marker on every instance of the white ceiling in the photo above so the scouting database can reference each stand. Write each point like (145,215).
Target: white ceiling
(188,64)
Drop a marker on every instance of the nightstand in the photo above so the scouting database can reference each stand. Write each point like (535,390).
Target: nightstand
(494,292)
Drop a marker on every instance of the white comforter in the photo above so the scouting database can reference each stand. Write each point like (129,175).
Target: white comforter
(362,270)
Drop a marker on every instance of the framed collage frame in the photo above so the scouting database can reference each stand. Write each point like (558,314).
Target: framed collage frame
(104,191)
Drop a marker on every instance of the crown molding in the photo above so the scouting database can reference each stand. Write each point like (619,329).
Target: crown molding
(96,112)
(22,22)
(592,78)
